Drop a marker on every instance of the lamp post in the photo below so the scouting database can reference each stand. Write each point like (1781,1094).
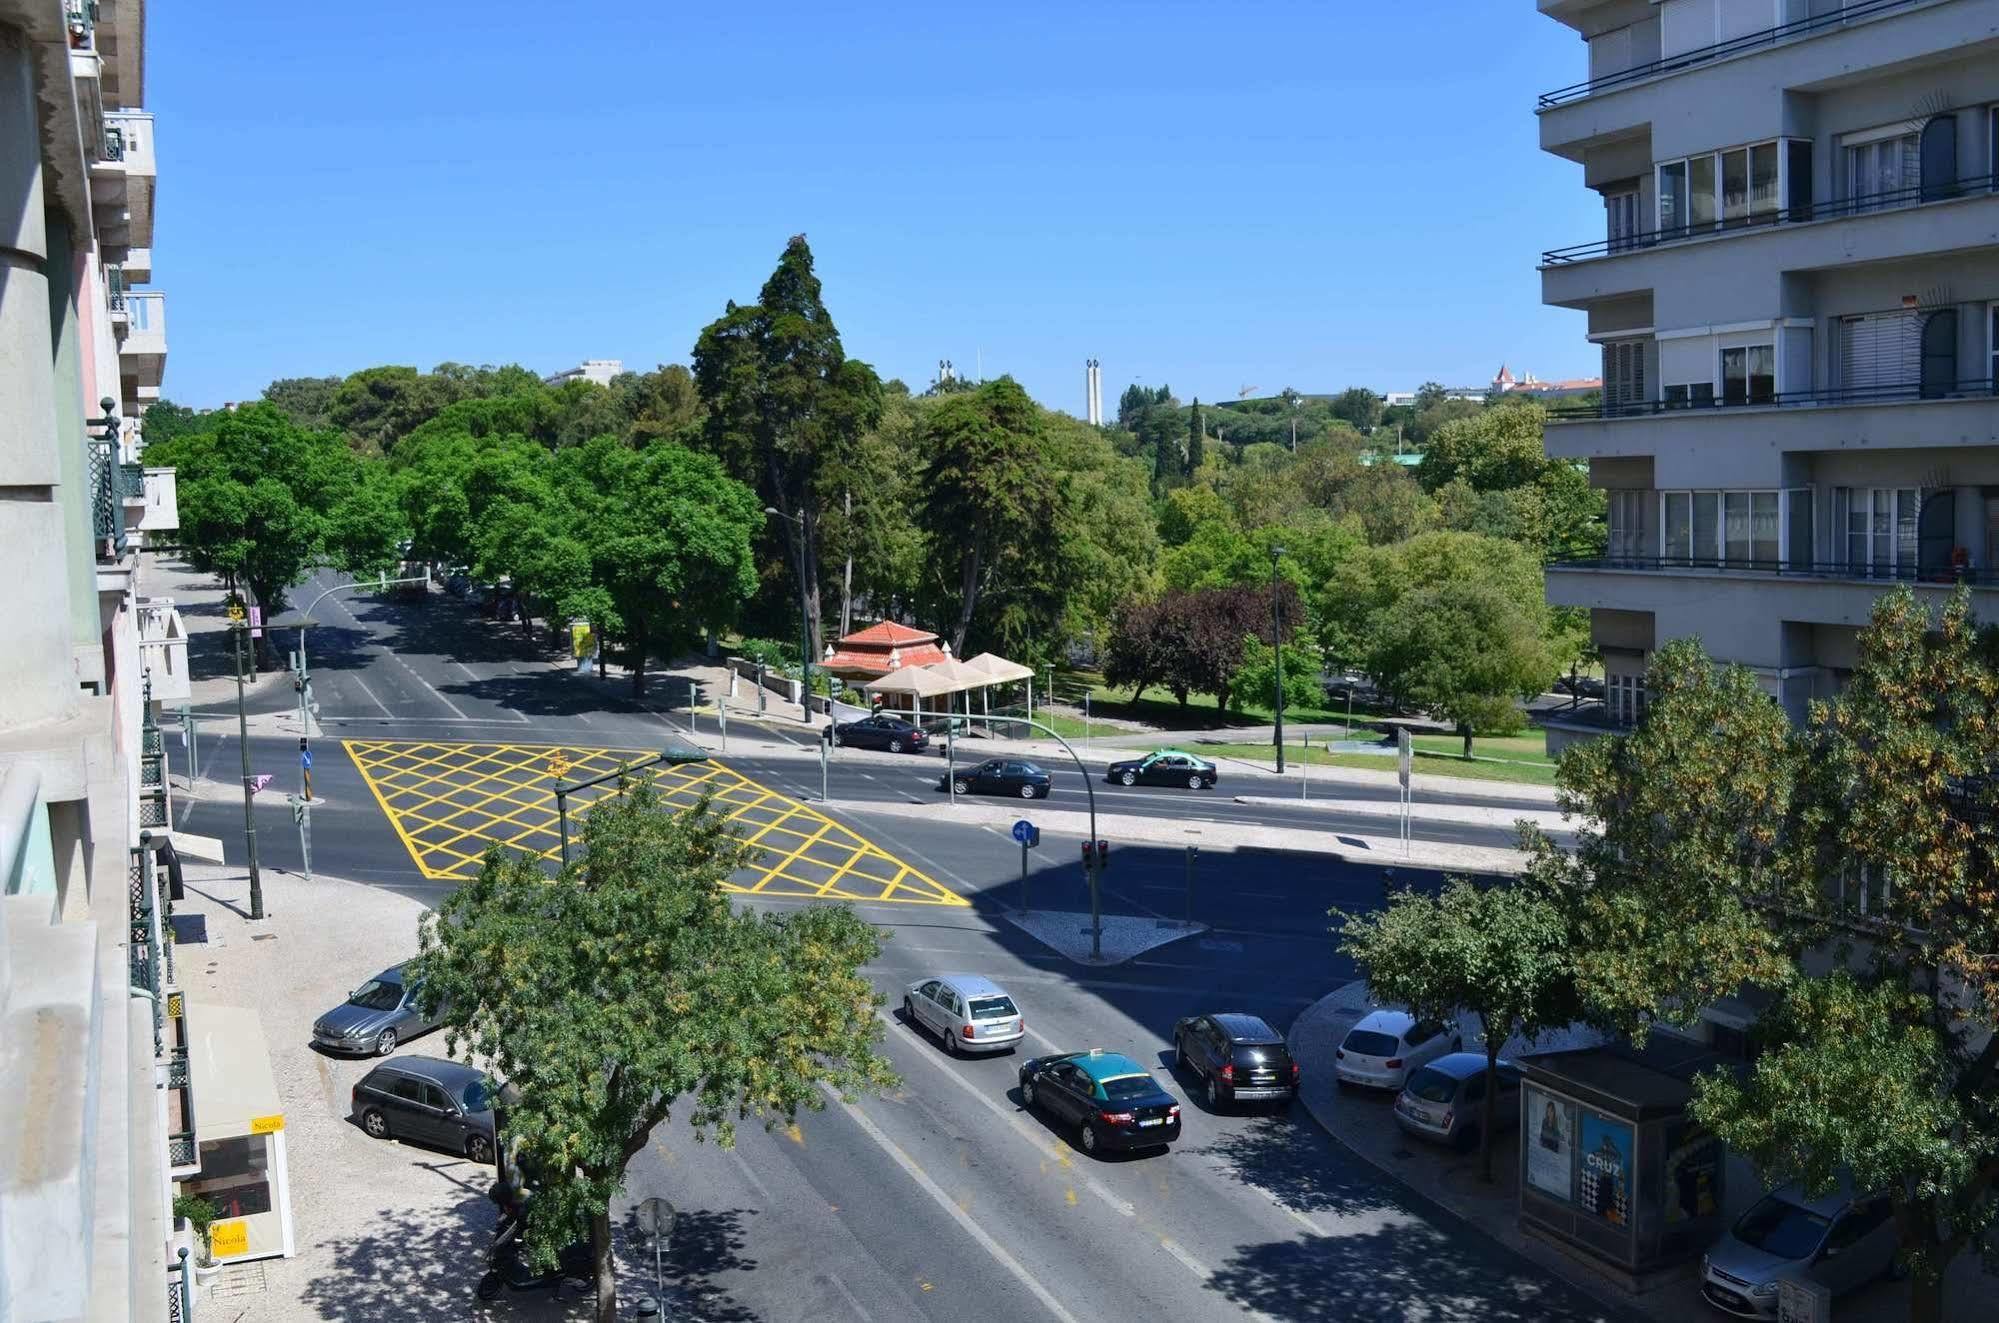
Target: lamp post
(1277,646)
(804,622)
(238,630)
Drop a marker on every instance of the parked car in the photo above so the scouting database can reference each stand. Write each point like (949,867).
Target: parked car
(882,732)
(1445,1100)
(1167,767)
(970,1012)
(1000,776)
(375,1017)
(1238,1059)
(1386,1046)
(1840,1239)
(1110,1100)
(427,1100)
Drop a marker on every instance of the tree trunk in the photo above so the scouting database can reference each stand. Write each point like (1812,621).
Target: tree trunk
(1464,730)
(1492,1046)
(847,569)
(637,647)
(607,1272)
(808,558)
(968,589)
(1926,1292)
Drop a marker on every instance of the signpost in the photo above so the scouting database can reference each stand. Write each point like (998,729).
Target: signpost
(1193,852)
(656,1218)
(302,818)
(1029,836)
(825,746)
(1403,758)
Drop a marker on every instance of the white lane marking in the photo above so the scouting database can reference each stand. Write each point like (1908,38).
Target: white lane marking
(860,1311)
(428,685)
(950,1207)
(749,1175)
(1015,1121)
(469,672)
(584,717)
(371,697)
(1188,1261)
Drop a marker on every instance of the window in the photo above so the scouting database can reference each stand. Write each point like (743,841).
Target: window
(1678,526)
(1741,529)
(1756,181)
(1627,525)
(1624,696)
(1623,376)
(1939,367)
(1691,395)
(434,1097)
(1992,338)
(1880,526)
(1749,374)
(1939,158)
(1673,216)
(1882,173)
(407,1089)
(1620,219)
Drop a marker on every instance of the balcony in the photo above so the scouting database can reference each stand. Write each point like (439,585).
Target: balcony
(123,180)
(1809,592)
(163,650)
(162,491)
(1982,389)
(1690,59)
(142,354)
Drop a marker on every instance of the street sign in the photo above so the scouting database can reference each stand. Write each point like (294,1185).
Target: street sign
(305,759)
(256,622)
(235,613)
(259,782)
(656,1217)
(1026,833)
(1403,757)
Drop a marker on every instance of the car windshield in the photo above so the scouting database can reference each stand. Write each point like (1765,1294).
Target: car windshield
(1369,1044)
(375,995)
(1433,1086)
(475,1096)
(1126,1087)
(993,1008)
(1780,1228)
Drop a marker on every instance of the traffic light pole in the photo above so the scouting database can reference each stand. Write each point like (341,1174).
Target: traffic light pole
(238,630)
(1091,865)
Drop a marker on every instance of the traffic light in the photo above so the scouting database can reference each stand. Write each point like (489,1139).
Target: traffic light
(1103,853)
(1097,853)
(1089,854)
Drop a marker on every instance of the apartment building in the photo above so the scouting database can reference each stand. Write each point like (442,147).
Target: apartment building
(95,1087)
(1796,296)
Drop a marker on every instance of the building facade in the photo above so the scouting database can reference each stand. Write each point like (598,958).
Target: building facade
(598,370)
(1796,296)
(96,1091)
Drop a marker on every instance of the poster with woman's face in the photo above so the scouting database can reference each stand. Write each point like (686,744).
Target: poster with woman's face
(1551,1141)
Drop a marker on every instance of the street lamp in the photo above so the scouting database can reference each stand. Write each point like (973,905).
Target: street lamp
(804,623)
(1277,644)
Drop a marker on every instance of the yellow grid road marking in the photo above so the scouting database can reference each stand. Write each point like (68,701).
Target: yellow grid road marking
(447,802)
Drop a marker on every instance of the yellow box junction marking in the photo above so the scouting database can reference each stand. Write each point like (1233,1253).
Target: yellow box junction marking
(449,801)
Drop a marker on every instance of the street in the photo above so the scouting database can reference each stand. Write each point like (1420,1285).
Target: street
(944,1199)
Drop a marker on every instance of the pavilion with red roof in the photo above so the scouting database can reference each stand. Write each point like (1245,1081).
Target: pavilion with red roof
(871,653)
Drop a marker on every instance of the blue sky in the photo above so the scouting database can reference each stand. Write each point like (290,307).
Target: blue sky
(1211,195)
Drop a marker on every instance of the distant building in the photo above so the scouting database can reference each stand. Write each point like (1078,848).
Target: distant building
(1505,383)
(1473,393)
(599,370)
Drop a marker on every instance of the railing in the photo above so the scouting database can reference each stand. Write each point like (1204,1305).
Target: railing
(1733,46)
(107,521)
(114,287)
(153,810)
(144,948)
(1893,199)
(80,17)
(180,1290)
(1859,572)
(114,143)
(1889,394)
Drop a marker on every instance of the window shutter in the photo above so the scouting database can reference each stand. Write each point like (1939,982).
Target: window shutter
(1880,353)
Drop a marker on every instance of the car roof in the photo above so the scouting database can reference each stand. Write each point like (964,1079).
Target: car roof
(1830,1204)
(1102,1066)
(437,1070)
(1180,753)
(973,985)
(1463,1065)
(1243,1028)
(393,974)
(1387,1022)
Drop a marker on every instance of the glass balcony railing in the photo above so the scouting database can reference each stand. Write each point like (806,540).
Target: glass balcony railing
(1842,570)
(1892,393)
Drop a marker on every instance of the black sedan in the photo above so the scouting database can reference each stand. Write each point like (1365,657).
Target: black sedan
(881,732)
(1238,1058)
(1167,767)
(1109,1100)
(999,776)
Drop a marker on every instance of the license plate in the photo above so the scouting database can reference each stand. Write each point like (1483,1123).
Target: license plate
(1264,1078)
(1154,1121)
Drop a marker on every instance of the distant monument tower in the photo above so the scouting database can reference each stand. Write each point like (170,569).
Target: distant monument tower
(1093,392)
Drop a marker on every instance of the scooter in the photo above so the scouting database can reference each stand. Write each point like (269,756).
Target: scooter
(508,1268)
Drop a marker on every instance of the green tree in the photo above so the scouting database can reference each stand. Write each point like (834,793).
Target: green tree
(307,401)
(1359,406)
(1187,508)
(1464,652)
(1368,584)
(782,397)
(1256,679)
(628,988)
(1387,503)
(1500,952)
(164,421)
(1196,438)
(1429,395)
(378,406)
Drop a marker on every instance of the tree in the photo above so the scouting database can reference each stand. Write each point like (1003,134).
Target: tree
(1367,585)
(164,421)
(378,406)
(307,401)
(1255,680)
(1464,651)
(1500,952)
(1429,395)
(1196,438)
(782,395)
(628,987)
(1359,406)
(993,513)
(1388,504)
(1193,642)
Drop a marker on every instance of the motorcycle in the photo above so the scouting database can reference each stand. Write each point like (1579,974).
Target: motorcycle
(508,1269)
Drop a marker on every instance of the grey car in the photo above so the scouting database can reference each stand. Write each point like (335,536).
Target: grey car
(1841,1239)
(1445,1100)
(375,1017)
(427,1100)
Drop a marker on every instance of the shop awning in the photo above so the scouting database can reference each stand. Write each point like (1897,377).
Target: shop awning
(234,1091)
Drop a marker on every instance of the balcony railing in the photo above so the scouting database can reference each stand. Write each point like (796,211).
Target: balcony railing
(1888,394)
(106,485)
(114,143)
(114,287)
(80,17)
(1733,46)
(1894,199)
(1846,570)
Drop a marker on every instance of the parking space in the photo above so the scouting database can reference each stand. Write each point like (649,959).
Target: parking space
(449,801)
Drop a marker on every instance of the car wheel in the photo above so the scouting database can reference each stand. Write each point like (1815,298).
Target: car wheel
(962,787)
(1027,1094)
(1028,792)
(1179,1055)
(1128,778)
(1088,1138)
(479,1148)
(489,1286)
(895,746)
(909,1014)
(1195,782)
(950,1043)
(1214,1095)
(375,1124)
(385,1042)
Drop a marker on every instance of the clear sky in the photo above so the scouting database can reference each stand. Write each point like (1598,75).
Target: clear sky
(1211,195)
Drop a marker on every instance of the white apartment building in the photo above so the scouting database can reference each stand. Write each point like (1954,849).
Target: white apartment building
(1796,295)
(95,1089)
(598,370)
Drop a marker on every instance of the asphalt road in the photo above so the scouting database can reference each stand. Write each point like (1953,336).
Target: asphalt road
(944,1200)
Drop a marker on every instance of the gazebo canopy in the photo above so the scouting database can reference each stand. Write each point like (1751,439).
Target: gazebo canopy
(916,680)
(998,669)
(958,676)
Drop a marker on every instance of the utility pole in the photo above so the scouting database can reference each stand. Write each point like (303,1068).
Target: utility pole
(804,622)
(239,630)
(1277,645)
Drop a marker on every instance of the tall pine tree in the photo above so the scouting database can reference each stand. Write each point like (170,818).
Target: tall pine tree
(1196,438)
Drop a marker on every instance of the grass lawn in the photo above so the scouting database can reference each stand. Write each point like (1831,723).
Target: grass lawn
(1425,763)
(1158,707)
(1529,748)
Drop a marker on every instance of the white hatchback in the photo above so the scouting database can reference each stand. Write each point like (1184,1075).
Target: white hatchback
(1386,1046)
(970,1012)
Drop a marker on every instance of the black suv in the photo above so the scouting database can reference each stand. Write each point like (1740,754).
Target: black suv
(1238,1057)
(427,1100)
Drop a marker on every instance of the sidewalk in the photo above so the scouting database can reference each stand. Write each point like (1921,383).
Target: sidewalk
(1364,1122)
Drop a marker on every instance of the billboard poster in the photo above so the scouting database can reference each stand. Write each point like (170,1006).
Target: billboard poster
(1551,1144)
(1606,1169)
